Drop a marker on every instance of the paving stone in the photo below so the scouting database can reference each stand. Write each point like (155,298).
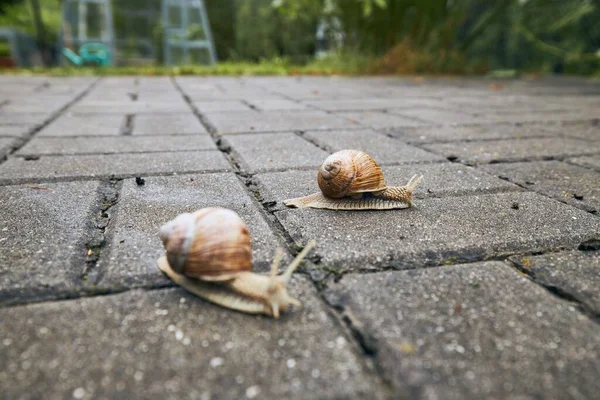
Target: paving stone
(449,133)
(15,130)
(130,107)
(372,104)
(119,144)
(588,130)
(574,273)
(171,124)
(437,116)
(382,148)
(441,230)
(378,119)
(144,209)
(471,332)
(274,151)
(589,162)
(168,344)
(541,116)
(6,146)
(221,105)
(89,125)
(439,180)
(42,230)
(494,151)
(246,122)
(17,170)
(503,102)
(574,185)
(277,104)
(23,118)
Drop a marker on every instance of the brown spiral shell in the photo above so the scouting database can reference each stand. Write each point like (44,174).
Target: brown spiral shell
(349,172)
(212,244)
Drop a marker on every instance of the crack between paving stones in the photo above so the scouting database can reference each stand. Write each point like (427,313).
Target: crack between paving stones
(556,291)
(51,119)
(250,105)
(314,142)
(127,129)
(96,240)
(12,298)
(34,157)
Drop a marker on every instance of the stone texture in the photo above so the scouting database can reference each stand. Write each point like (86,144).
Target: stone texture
(274,121)
(379,120)
(449,133)
(571,184)
(15,130)
(120,144)
(168,344)
(167,124)
(277,104)
(110,165)
(221,105)
(274,151)
(23,118)
(42,229)
(90,125)
(471,332)
(588,130)
(575,273)
(589,162)
(480,152)
(6,146)
(438,180)
(135,244)
(382,148)
(372,104)
(437,116)
(444,230)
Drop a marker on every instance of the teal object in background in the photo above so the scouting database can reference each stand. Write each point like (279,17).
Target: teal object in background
(89,53)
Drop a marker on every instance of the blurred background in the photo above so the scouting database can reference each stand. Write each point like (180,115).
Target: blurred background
(308,36)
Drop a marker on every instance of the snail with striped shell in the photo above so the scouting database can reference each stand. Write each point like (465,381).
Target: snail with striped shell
(352,180)
(208,253)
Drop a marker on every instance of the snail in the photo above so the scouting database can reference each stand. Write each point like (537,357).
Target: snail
(208,253)
(352,180)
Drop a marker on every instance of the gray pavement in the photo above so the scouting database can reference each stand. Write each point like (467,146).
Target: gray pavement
(487,288)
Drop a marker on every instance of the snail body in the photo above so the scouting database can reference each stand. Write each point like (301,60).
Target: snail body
(352,180)
(208,253)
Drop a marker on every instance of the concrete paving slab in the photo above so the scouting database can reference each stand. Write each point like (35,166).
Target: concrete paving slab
(7,144)
(275,151)
(372,103)
(577,186)
(118,144)
(588,130)
(471,332)
(42,229)
(438,180)
(135,246)
(168,344)
(274,121)
(574,273)
(89,125)
(23,118)
(441,230)
(379,120)
(185,123)
(278,104)
(437,116)
(17,170)
(589,162)
(449,133)
(15,130)
(527,149)
(382,148)
(221,105)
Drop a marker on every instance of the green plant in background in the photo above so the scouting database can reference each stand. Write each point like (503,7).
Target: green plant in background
(19,15)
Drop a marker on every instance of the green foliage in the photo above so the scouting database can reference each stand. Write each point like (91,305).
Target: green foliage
(19,15)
